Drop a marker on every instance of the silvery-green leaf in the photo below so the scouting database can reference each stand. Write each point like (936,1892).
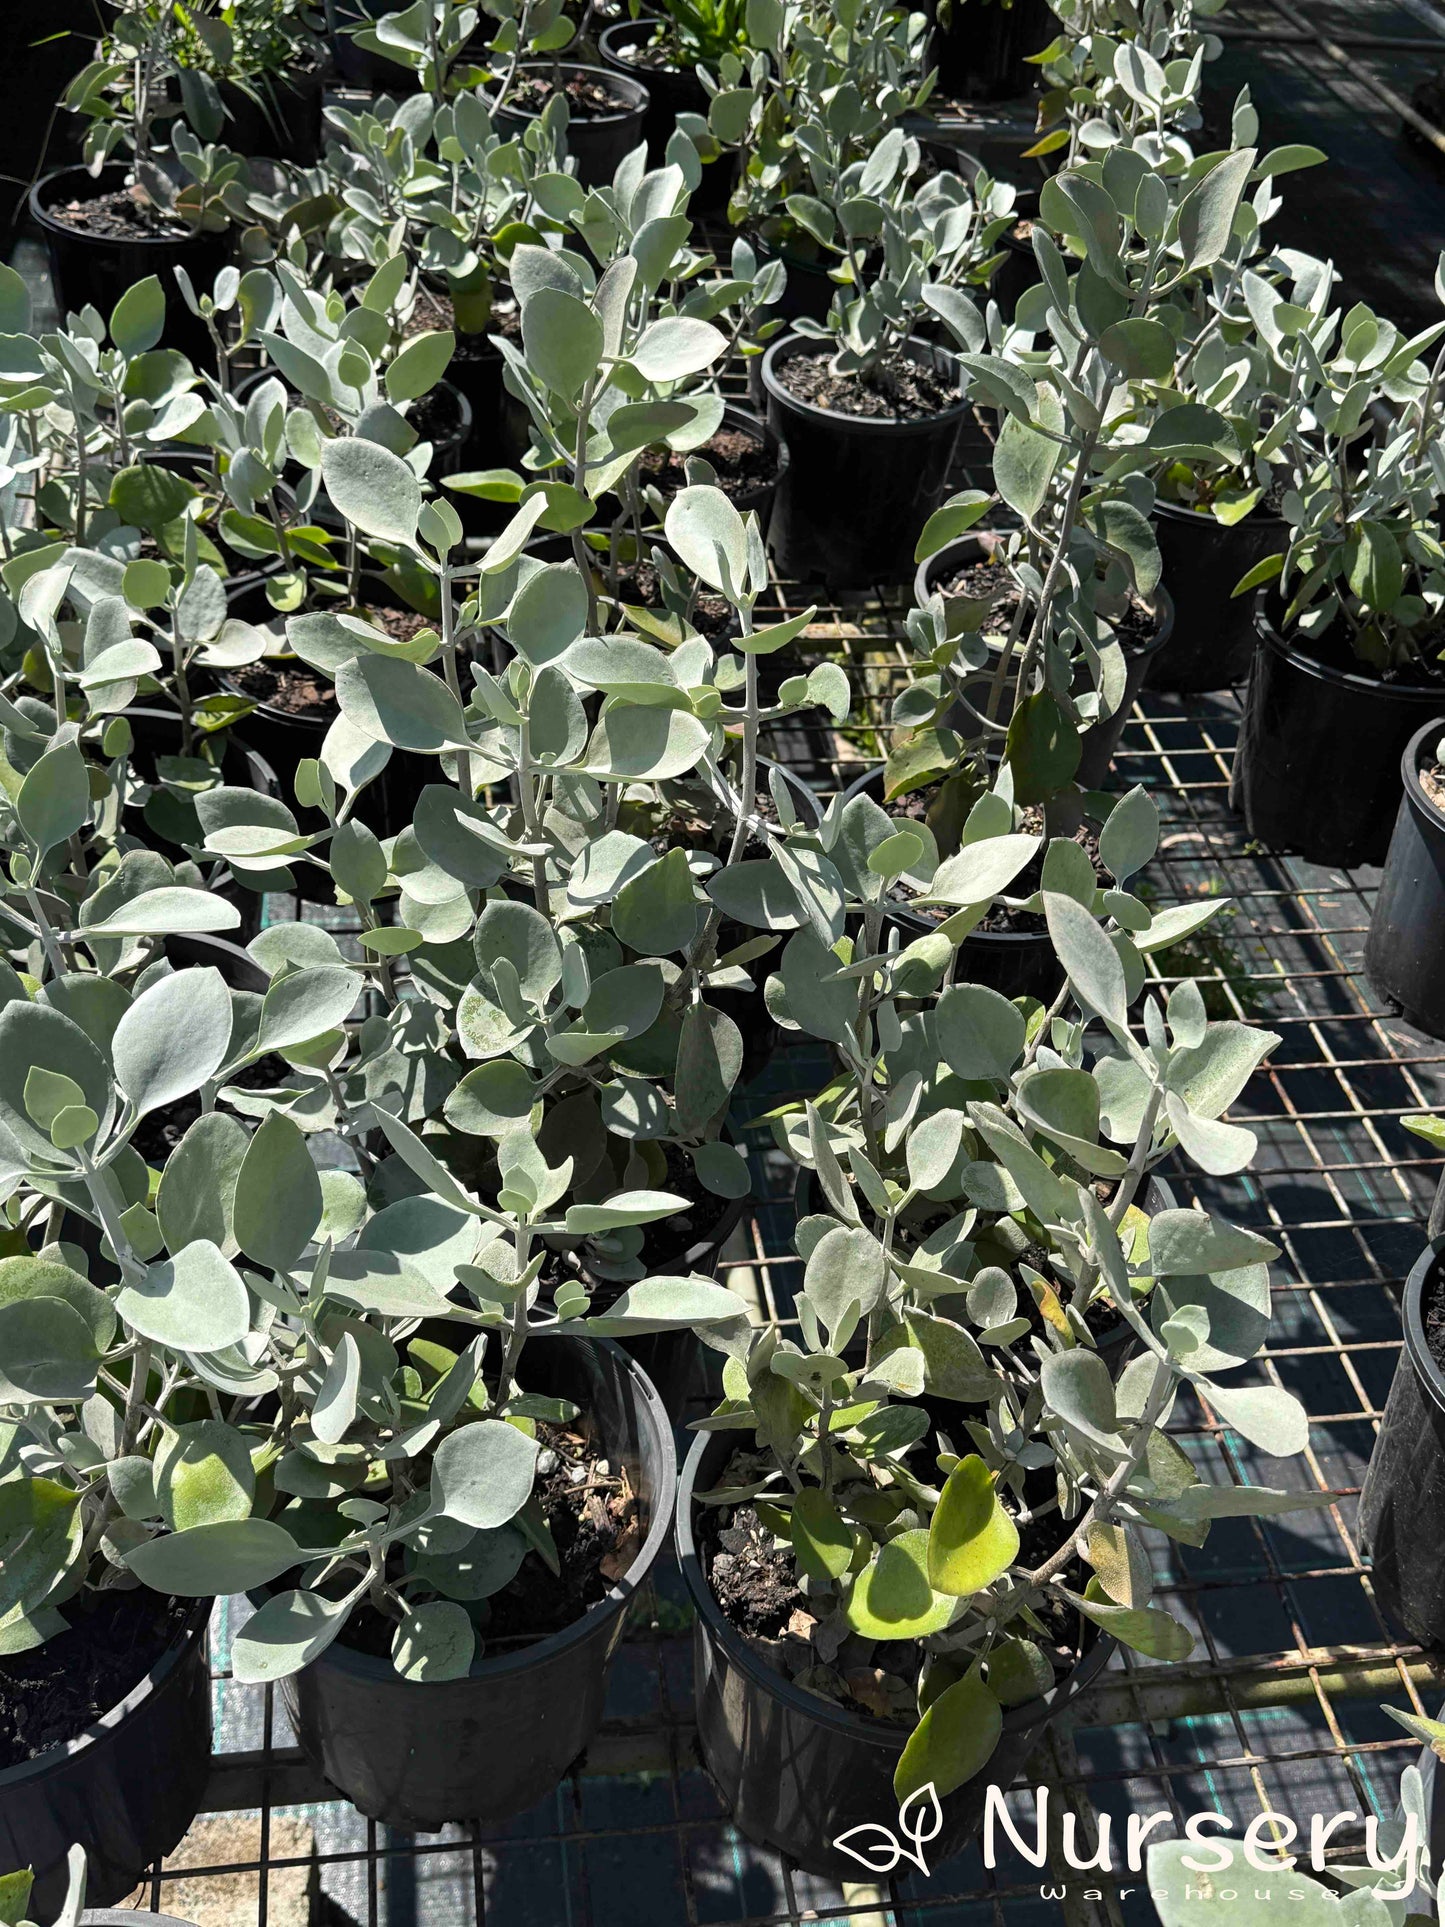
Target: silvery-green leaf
(1216,1147)
(400,703)
(1188,1242)
(194,1302)
(36,1038)
(230,1556)
(675,346)
(669,1304)
(632,742)
(1273,1420)
(372,488)
(1210,1076)
(980,1034)
(562,340)
(54,798)
(172,909)
(379,1281)
(436,1641)
(203,1475)
(981,870)
(1078,1387)
(305,1005)
(172,1038)
(482,1473)
(1092,962)
(278,1204)
(48,1353)
(708,533)
(286,1634)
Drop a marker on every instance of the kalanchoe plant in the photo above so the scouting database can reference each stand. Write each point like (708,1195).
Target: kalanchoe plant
(818,79)
(982,1237)
(1364,559)
(1125,71)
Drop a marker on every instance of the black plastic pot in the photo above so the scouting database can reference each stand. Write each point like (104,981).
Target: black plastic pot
(796,1770)
(982,52)
(493,1744)
(1214,634)
(449,449)
(1015,963)
(670,91)
(287,127)
(1402,1505)
(1405,950)
(809,291)
(598,143)
(126,1789)
(1100,740)
(98,269)
(358,66)
(857,491)
(1318,767)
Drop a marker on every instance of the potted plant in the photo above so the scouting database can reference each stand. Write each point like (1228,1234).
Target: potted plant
(670,52)
(596,113)
(1402,950)
(1347,666)
(890,1566)
(865,394)
(110,222)
(1406,1473)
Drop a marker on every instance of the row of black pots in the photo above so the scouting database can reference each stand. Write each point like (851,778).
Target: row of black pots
(796,1770)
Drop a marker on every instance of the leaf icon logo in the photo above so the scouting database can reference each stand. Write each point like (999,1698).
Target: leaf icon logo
(880,1849)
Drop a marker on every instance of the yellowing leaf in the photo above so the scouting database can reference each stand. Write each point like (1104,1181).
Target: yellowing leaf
(972,1540)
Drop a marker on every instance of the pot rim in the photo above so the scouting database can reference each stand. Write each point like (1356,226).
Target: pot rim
(922,351)
(1410,771)
(853,1726)
(491,1667)
(38,200)
(56,1759)
(1180,512)
(1412,1320)
(1299,658)
(628,30)
(610,74)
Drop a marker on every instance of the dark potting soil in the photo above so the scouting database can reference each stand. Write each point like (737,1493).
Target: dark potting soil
(124,214)
(54,1692)
(743,462)
(1136,625)
(713,616)
(296,689)
(589,97)
(159,1132)
(1432,781)
(592,1512)
(434,313)
(896,390)
(1432,1311)
(1333,649)
(435,415)
(755,1582)
(915,806)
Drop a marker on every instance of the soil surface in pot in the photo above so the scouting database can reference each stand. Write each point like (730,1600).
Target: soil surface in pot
(589,96)
(743,462)
(434,313)
(159,1132)
(1136,625)
(916,806)
(1432,1314)
(54,1692)
(652,56)
(897,389)
(713,616)
(755,1581)
(296,689)
(1333,650)
(1432,781)
(124,214)
(592,1513)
